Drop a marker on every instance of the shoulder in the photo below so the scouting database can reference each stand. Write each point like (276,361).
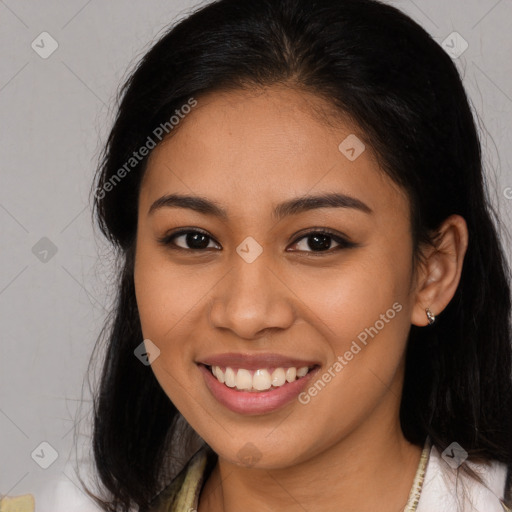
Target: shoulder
(182,494)
(446,488)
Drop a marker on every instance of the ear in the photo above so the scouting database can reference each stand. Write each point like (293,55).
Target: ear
(438,274)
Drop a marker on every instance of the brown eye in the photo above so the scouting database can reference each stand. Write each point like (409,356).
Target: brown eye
(321,241)
(191,240)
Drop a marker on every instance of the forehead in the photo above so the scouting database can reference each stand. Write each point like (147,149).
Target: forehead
(254,145)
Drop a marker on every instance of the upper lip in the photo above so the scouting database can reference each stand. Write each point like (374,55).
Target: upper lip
(255,361)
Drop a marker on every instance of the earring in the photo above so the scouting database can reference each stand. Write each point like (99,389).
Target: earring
(430,316)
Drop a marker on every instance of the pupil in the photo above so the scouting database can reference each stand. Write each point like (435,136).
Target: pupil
(319,242)
(194,240)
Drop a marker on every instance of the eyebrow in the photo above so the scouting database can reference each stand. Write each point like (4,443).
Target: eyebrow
(284,209)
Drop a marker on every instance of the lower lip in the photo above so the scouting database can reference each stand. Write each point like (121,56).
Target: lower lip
(257,402)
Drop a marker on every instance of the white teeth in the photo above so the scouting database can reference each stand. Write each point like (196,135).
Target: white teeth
(229,377)
(291,373)
(243,379)
(302,371)
(259,380)
(278,377)
(218,373)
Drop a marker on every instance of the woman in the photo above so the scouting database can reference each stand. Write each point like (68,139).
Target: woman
(314,306)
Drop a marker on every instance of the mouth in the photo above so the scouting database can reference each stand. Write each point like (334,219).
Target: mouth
(259,380)
(256,390)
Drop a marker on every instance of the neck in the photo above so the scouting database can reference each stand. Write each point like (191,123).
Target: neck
(373,468)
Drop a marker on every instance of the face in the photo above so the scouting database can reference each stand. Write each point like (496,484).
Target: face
(259,282)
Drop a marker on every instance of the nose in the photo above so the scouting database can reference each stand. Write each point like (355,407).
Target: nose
(251,300)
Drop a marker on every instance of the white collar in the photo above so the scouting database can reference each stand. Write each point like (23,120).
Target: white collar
(450,490)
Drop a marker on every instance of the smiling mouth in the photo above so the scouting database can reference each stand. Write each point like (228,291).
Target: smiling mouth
(264,379)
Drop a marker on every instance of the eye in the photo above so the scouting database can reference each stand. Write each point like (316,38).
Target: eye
(320,241)
(188,240)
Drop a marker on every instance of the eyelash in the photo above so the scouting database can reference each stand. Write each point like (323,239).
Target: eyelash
(167,240)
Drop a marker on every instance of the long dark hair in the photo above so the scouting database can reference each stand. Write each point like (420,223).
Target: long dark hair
(375,64)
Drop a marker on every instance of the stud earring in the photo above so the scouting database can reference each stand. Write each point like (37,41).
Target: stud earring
(430,316)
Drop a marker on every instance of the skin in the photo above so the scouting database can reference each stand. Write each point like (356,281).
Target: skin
(248,151)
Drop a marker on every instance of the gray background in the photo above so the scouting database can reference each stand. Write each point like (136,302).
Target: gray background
(55,114)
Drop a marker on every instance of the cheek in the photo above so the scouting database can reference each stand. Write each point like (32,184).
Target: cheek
(163,296)
(351,297)
(362,309)
(152,293)
(162,306)
(170,304)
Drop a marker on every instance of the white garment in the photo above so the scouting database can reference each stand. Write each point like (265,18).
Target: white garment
(65,496)
(449,490)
